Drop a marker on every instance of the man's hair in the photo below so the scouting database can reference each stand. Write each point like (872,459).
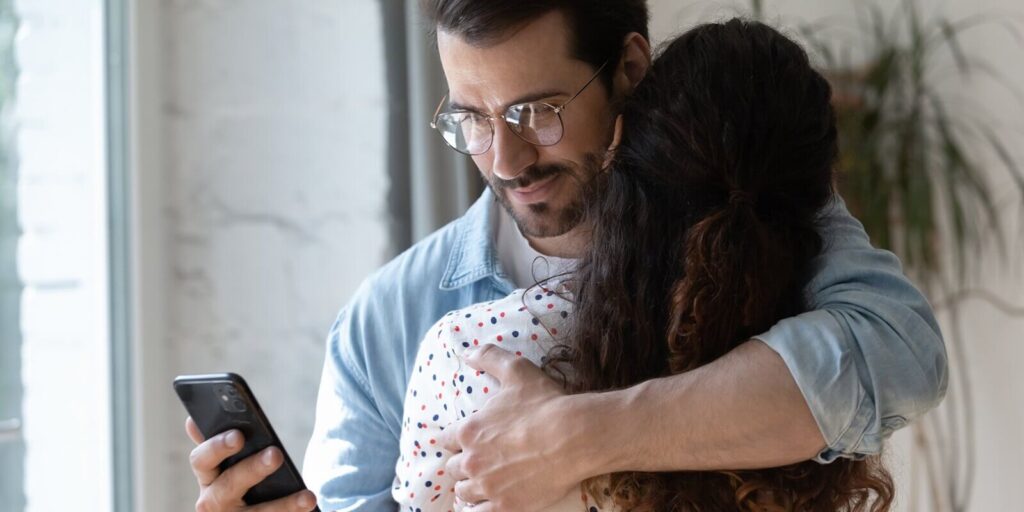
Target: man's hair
(598,28)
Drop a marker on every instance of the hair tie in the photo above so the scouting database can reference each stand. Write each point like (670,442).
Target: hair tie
(741,198)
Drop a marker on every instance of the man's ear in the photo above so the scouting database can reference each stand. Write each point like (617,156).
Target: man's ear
(609,154)
(633,66)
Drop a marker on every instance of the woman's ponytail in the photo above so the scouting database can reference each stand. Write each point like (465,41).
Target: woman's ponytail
(738,269)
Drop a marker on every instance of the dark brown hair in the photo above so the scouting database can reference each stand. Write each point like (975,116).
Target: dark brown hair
(598,27)
(703,232)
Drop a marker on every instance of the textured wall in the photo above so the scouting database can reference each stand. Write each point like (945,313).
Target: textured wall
(273,154)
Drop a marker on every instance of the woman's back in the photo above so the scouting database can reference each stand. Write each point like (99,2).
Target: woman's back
(702,234)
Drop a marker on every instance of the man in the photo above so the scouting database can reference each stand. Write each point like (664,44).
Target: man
(533,86)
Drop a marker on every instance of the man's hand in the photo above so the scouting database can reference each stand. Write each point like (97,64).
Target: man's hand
(527,437)
(220,492)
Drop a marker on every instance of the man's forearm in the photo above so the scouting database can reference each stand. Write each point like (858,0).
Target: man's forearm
(742,411)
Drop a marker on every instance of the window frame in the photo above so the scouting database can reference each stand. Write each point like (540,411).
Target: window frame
(117,37)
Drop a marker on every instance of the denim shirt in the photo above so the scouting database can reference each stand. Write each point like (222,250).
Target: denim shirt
(868,357)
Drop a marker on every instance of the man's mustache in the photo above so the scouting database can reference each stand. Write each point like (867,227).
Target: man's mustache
(528,177)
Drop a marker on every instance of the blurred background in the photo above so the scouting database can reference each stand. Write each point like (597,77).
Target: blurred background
(192,186)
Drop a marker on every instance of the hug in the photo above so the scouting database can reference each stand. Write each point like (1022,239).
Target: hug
(658,303)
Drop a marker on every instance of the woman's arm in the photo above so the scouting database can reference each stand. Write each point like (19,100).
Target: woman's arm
(420,479)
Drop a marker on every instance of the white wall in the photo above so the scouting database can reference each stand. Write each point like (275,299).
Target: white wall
(263,181)
(993,343)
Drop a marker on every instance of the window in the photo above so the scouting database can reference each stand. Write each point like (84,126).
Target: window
(57,402)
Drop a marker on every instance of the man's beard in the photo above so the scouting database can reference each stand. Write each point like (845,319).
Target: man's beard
(546,220)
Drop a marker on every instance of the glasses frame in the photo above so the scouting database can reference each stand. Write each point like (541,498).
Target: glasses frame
(490,118)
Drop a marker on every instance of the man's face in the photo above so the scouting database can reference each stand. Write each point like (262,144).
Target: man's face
(542,187)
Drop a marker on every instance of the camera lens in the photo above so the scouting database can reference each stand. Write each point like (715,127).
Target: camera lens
(238,405)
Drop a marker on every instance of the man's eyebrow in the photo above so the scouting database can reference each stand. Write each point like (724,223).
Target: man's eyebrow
(534,96)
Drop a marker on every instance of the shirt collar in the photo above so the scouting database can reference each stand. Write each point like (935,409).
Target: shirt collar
(473,255)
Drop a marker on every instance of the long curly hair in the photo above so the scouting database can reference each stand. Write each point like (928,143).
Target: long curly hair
(703,230)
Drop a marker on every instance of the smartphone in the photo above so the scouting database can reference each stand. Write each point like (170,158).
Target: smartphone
(221,402)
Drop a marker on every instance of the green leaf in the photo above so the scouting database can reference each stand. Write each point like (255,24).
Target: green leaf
(950,36)
(968,172)
(913,172)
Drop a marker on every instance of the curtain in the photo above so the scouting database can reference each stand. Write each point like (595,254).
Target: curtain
(430,184)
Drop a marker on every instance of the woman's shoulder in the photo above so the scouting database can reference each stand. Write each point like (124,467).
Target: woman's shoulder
(526,322)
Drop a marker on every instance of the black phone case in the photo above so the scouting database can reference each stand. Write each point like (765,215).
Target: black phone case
(221,402)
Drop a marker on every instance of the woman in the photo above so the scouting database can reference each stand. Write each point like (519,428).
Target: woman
(704,226)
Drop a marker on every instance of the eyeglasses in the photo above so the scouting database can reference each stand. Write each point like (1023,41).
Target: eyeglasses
(537,122)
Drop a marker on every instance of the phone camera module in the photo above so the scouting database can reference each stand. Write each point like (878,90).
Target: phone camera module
(229,399)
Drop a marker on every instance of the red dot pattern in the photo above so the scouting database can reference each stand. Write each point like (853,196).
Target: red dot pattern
(443,389)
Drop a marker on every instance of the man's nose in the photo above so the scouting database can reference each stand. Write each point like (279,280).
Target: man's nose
(512,155)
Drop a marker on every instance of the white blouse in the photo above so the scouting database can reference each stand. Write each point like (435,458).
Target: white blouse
(443,389)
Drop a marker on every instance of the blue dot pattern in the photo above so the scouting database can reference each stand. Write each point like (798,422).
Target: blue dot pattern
(443,390)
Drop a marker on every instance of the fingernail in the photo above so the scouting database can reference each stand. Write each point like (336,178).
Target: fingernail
(305,501)
(268,457)
(233,439)
(469,351)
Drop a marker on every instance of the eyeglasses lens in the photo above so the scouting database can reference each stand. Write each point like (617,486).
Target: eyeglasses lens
(471,133)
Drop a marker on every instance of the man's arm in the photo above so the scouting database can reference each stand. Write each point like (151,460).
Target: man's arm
(742,411)
(831,382)
(869,356)
(350,459)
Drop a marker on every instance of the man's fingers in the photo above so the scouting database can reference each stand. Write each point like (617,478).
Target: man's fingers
(301,501)
(454,468)
(462,506)
(238,479)
(482,507)
(466,491)
(501,364)
(206,457)
(193,431)
(448,438)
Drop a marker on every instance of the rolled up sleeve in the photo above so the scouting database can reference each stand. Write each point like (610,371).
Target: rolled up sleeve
(868,356)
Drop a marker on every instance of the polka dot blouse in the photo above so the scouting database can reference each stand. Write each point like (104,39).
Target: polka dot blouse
(443,389)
